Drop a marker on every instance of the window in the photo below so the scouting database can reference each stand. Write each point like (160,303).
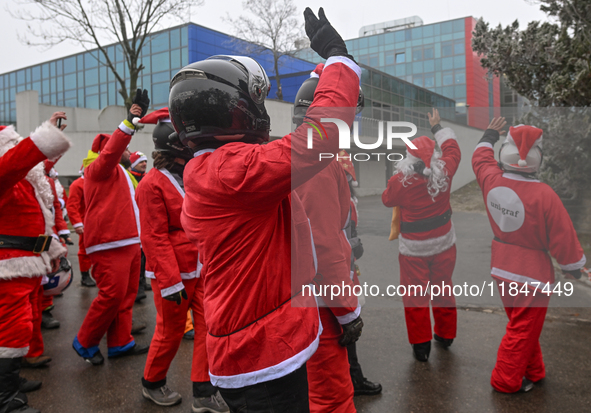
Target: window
(389,59)
(70,81)
(90,60)
(160,62)
(417,54)
(418,80)
(429,80)
(374,60)
(400,57)
(446,49)
(175,39)
(160,93)
(448,78)
(459,47)
(91,77)
(175,59)
(70,65)
(159,42)
(460,77)
(428,53)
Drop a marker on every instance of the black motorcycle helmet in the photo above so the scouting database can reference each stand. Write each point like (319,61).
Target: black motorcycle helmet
(165,138)
(221,95)
(305,97)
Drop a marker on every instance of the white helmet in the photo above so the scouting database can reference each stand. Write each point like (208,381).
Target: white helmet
(59,280)
(522,150)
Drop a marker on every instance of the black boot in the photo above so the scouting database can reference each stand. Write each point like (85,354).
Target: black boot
(141,293)
(87,280)
(10,397)
(445,342)
(421,351)
(47,321)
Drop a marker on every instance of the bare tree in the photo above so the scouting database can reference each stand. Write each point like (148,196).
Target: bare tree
(94,23)
(274,26)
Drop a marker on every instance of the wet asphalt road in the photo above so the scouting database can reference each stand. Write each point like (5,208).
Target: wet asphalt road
(454,380)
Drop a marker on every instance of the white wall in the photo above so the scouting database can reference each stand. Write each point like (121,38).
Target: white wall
(85,124)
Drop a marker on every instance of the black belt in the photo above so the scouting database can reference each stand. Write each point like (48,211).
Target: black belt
(425,224)
(36,244)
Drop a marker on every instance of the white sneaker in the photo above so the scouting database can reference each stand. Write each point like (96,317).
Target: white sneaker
(162,396)
(211,404)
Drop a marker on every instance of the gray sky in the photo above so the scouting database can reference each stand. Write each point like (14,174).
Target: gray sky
(347,16)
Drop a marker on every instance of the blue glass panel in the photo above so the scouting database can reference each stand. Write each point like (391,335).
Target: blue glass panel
(60,84)
(175,59)
(428,31)
(458,25)
(103,73)
(70,94)
(407,35)
(429,66)
(184,57)
(111,52)
(175,38)
(399,36)
(436,29)
(146,63)
(92,90)
(37,87)
(428,52)
(80,62)
(91,77)
(429,80)
(448,78)
(112,94)
(70,102)
(90,60)
(160,93)
(184,36)
(20,88)
(160,62)
(45,86)
(459,47)
(161,77)
(103,88)
(373,61)
(447,63)
(104,101)
(81,79)
(70,65)
(92,102)
(418,80)
(400,57)
(28,76)
(446,27)
(373,41)
(20,75)
(437,65)
(459,62)
(459,35)
(45,70)
(417,67)
(460,77)
(70,81)
(460,91)
(417,54)
(389,59)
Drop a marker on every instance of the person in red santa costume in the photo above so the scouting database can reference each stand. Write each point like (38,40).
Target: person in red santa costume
(172,260)
(530,224)
(26,200)
(76,212)
(247,223)
(111,238)
(427,250)
(326,199)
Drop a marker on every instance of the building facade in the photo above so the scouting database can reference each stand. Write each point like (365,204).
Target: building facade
(437,57)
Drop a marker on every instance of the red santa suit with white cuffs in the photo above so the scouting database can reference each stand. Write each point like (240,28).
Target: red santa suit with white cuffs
(76,212)
(111,237)
(326,198)
(25,201)
(530,224)
(240,211)
(172,260)
(427,257)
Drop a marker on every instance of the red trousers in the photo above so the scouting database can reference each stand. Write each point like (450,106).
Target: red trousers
(421,271)
(329,382)
(83,258)
(171,320)
(520,354)
(117,275)
(16,315)
(36,345)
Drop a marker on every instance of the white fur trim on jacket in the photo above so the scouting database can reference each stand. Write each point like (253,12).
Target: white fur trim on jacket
(428,247)
(12,353)
(8,139)
(443,135)
(574,266)
(50,140)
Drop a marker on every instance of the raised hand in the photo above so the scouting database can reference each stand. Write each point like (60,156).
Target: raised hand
(435,118)
(498,124)
(324,39)
(54,119)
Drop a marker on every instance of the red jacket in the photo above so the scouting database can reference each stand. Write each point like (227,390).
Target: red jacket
(416,204)
(529,222)
(327,199)
(170,256)
(75,204)
(26,198)
(240,211)
(112,216)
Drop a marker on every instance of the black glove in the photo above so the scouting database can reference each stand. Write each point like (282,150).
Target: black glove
(419,167)
(351,332)
(324,39)
(491,136)
(66,239)
(142,100)
(356,247)
(177,297)
(575,273)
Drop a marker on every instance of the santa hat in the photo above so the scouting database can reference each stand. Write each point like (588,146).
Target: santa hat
(317,71)
(344,160)
(136,158)
(160,115)
(524,137)
(99,142)
(425,149)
